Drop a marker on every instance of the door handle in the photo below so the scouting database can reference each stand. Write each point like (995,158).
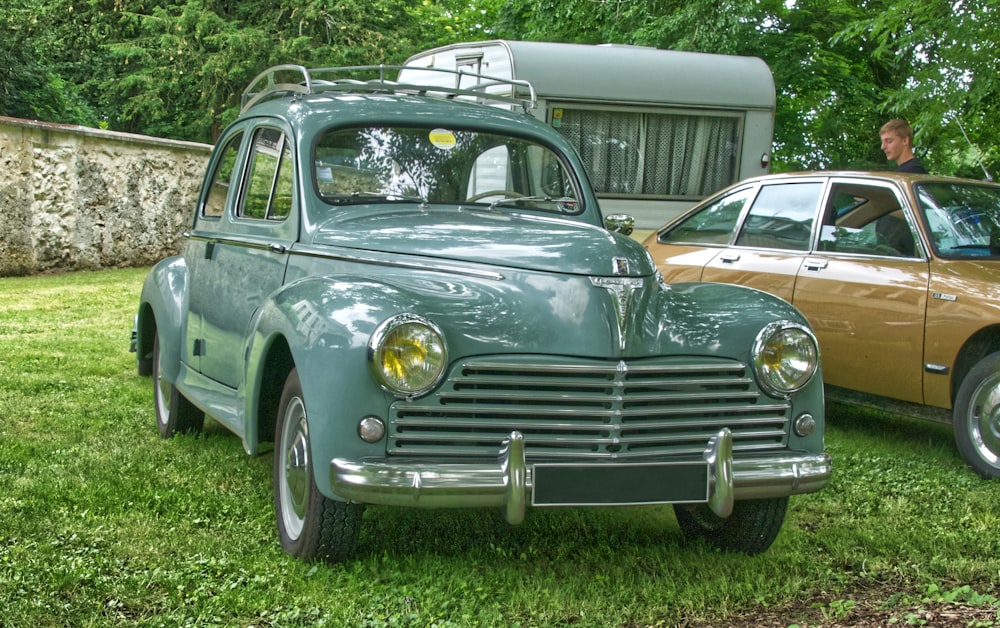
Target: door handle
(815,264)
(729,258)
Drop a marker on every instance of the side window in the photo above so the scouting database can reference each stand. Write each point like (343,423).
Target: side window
(867,220)
(782,217)
(269,186)
(222,179)
(712,225)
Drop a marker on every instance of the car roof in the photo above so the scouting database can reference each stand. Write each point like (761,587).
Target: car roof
(350,109)
(349,94)
(311,113)
(903,178)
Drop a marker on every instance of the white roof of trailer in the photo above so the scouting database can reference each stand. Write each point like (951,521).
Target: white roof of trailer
(624,73)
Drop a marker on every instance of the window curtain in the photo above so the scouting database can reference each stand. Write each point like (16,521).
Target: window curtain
(654,154)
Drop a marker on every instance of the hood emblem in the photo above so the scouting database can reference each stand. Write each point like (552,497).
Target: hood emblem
(622,291)
(620,265)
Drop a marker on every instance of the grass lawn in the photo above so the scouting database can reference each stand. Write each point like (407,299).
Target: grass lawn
(102,523)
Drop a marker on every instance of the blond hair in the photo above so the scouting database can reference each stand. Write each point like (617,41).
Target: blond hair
(899,127)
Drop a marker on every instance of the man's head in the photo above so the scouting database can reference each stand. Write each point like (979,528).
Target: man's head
(897,140)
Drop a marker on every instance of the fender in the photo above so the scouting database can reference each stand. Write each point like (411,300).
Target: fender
(731,316)
(162,308)
(328,342)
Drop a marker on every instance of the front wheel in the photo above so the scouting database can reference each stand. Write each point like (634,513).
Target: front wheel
(310,525)
(976,418)
(750,529)
(174,413)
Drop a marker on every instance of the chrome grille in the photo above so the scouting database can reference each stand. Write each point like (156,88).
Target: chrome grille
(589,409)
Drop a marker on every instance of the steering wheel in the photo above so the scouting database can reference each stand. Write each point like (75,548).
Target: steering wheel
(502,193)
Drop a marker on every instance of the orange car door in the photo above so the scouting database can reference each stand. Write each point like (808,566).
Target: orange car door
(773,240)
(864,290)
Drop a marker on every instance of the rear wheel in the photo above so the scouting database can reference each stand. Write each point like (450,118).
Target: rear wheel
(310,525)
(751,528)
(976,417)
(174,413)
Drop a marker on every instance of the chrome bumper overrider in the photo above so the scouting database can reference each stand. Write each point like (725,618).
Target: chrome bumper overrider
(507,483)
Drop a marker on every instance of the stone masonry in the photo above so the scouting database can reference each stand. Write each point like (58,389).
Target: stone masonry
(75,198)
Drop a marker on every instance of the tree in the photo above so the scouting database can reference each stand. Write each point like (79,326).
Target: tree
(177,69)
(841,67)
(28,87)
(947,49)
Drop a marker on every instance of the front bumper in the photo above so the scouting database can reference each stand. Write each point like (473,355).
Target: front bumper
(508,483)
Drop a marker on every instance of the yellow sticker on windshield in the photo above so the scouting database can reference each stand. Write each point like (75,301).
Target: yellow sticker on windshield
(443,139)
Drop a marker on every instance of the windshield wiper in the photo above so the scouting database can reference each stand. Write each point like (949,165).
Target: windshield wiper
(377,197)
(521,201)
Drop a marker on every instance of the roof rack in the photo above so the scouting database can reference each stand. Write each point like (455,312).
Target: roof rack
(298,79)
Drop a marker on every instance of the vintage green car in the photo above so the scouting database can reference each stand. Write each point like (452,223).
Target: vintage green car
(410,291)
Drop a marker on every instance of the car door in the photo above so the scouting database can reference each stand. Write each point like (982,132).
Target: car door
(244,260)
(210,224)
(864,290)
(773,240)
(682,251)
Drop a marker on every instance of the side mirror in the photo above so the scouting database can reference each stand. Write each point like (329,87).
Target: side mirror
(619,223)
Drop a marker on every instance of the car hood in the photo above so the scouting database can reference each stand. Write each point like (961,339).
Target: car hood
(503,239)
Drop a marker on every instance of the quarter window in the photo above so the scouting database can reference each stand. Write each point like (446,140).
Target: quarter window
(222,180)
(269,178)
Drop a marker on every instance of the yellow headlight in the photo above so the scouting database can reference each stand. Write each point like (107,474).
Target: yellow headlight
(407,355)
(785,356)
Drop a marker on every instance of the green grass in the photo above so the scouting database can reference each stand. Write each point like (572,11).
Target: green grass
(102,523)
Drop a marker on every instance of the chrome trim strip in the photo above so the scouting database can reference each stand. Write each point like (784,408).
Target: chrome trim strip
(247,243)
(307,251)
(432,267)
(507,483)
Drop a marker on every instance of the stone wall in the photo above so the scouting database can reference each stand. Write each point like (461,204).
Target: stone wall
(74,198)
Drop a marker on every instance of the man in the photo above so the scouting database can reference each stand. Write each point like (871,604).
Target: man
(897,144)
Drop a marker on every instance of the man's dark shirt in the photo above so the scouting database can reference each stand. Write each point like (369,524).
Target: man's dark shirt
(911,166)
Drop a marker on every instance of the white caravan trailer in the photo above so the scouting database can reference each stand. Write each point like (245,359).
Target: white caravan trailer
(657,129)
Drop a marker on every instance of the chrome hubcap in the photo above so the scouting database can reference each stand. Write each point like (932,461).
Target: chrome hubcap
(294,485)
(162,394)
(984,420)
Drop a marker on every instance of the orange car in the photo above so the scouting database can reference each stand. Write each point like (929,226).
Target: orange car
(898,274)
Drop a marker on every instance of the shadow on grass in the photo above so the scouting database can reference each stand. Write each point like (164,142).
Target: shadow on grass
(547,533)
(885,423)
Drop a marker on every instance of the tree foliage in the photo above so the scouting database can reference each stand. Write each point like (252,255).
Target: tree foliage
(946,50)
(841,67)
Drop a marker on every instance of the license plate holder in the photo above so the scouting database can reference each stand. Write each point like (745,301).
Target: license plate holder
(619,484)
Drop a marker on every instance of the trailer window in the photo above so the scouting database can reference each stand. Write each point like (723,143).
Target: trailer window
(653,154)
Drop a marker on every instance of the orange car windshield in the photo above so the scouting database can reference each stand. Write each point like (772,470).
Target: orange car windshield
(963,219)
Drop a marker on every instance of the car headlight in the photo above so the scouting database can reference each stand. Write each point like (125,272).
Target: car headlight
(785,357)
(407,355)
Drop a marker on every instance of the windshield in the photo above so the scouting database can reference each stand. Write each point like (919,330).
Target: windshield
(963,218)
(393,164)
